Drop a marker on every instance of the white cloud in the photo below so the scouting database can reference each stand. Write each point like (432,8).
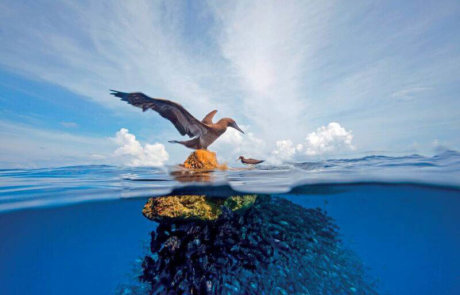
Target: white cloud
(27,146)
(328,139)
(131,153)
(285,150)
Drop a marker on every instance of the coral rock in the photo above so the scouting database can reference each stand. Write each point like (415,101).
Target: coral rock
(203,159)
(193,206)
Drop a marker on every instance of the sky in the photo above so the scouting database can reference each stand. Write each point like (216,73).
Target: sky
(306,80)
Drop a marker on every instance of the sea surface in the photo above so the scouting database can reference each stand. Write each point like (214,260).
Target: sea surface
(80,229)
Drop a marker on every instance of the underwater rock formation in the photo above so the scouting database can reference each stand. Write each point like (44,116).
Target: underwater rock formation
(193,206)
(272,247)
(203,159)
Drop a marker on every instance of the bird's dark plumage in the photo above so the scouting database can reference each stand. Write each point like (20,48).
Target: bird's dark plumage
(204,132)
(250,161)
(184,122)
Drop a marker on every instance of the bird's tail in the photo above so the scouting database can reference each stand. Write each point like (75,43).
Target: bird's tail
(192,143)
(122,95)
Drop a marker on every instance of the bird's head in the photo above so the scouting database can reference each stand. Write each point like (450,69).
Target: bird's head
(231,123)
(240,158)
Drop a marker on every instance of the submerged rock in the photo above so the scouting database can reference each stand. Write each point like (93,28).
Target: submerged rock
(203,159)
(193,206)
(273,247)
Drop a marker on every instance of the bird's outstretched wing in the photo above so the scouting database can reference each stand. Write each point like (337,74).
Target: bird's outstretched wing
(184,122)
(208,118)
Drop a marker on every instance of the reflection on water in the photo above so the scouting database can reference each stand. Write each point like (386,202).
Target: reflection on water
(28,188)
(270,246)
(186,175)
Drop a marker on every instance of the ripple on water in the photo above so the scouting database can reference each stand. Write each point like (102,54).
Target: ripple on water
(25,188)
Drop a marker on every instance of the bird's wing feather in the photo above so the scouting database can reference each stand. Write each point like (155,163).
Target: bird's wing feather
(208,118)
(184,122)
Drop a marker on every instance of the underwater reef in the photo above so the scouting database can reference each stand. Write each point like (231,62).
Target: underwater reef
(193,206)
(265,245)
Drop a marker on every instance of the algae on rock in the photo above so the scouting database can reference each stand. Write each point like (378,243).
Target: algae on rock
(193,206)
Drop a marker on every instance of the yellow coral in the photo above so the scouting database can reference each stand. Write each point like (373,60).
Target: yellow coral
(203,159)
(193,206)
(178,207)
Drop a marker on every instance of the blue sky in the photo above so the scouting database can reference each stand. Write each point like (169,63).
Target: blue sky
(305,79)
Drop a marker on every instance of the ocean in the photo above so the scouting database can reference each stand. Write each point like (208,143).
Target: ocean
(372,225)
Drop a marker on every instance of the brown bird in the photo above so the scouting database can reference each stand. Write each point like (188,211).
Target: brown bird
(204,132)
(249,161)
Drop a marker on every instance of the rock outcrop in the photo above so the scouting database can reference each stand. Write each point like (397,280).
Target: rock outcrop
(203,160)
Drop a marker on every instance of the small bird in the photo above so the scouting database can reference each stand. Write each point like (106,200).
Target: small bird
(204,132)
(250,161)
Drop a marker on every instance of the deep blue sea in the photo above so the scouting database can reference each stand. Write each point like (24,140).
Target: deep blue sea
(80,230)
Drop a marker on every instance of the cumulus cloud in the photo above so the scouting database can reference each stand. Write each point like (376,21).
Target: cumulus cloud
(329,139)
(285,150)
(131,153)
(29,146)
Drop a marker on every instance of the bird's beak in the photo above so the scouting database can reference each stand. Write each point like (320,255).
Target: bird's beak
(234,125)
